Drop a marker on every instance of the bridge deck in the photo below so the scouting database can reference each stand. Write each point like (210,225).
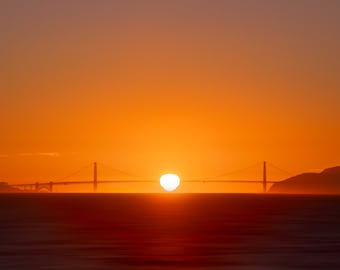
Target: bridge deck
(140,181)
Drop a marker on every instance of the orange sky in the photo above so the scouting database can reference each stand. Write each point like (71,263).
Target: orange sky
(197,88)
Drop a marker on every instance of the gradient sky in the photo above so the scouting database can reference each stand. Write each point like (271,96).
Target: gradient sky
(195,87)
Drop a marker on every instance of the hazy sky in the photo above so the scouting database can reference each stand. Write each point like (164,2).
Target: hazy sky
(197,87)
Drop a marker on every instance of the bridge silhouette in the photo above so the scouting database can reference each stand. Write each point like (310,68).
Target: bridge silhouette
(49,185)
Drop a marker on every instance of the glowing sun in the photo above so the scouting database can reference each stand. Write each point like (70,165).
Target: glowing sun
(170,182)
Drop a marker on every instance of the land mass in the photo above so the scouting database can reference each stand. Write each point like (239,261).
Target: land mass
(326,182)
(4,187)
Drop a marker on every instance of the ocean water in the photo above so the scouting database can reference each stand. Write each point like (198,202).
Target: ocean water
(169,231)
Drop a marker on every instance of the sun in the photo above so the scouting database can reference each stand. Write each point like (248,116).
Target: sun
(170,182)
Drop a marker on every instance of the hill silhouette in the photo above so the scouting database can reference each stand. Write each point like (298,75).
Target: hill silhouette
(326,182)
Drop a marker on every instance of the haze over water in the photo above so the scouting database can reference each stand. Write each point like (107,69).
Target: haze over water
(169,231)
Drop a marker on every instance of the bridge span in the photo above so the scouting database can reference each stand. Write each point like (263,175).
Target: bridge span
(49,185)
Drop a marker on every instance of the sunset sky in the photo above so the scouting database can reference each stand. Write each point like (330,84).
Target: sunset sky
(193,87)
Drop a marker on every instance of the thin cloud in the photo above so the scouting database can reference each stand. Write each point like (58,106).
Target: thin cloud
(45,154)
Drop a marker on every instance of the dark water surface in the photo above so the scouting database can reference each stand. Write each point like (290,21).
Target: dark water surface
(169,231)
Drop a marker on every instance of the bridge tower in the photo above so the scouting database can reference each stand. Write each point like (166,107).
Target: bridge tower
(50,186)
(264,176)
(95,177)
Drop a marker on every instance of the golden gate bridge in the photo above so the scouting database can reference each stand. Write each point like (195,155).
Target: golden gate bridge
(49,185)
